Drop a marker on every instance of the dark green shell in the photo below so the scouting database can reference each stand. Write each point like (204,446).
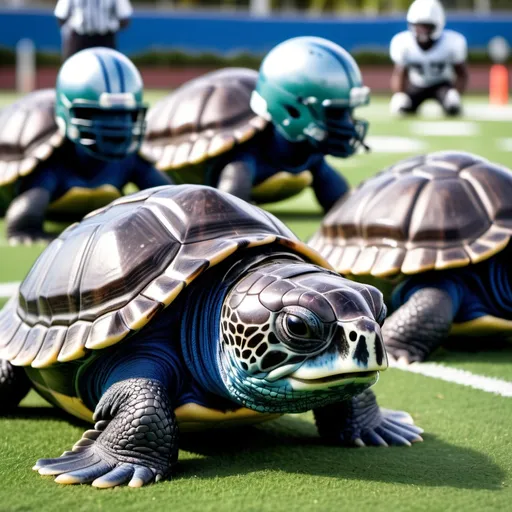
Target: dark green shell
(436,211)
(107,276)
(202,119)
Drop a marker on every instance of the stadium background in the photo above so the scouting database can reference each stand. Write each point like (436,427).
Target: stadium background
(172,43)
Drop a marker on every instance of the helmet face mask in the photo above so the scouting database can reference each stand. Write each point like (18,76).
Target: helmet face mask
(423,32)
(107,134)
(344,134)
(99,103)
(313,102)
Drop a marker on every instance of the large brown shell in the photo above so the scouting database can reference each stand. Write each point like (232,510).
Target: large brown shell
(28,134)
(107,276)
(202,119)
(436,211)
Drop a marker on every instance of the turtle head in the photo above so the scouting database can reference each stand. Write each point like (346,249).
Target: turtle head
(295,336)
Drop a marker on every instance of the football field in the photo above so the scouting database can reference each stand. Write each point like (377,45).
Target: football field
(463,399)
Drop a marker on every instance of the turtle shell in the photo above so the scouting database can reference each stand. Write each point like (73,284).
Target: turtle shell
(203,118)
(437,211)
(28,134)
(107,276)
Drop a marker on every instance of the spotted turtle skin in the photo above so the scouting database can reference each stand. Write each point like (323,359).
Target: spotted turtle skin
(434,230)
(183,307)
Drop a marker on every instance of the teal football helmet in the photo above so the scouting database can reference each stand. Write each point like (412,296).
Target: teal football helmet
(99,103)
(308,88)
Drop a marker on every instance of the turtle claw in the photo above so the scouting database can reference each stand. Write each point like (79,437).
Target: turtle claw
(141,476)
(372,439)
(361,422)
(396,432)
(393,429)
(402,357)
(401,416)
(94,465)
(136,445)
(117,476)
(84,475)
(135,475)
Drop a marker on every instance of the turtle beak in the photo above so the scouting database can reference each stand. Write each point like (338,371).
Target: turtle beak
(358,355)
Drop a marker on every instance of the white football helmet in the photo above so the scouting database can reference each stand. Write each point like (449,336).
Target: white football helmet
(428,12)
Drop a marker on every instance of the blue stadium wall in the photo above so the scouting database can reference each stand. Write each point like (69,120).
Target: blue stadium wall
(234,33)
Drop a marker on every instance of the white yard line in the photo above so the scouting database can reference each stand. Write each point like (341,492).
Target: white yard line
(472,112)
(393,144)
(462,377)
(445,128)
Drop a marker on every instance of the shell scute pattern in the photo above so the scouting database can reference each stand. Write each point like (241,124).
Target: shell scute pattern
(28,134)
(436,211)
(202,119)
(110,274)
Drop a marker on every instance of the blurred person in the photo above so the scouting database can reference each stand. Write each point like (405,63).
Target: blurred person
(81,148)
(90,23)
(430,62)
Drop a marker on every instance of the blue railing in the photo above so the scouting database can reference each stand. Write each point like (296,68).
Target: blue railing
(232,33)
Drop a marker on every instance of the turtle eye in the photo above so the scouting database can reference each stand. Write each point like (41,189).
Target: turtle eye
(301,331)
(297,326)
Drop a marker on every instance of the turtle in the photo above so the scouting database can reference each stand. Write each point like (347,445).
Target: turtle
(67,151)
(263,136)
(182,306)
(432,232)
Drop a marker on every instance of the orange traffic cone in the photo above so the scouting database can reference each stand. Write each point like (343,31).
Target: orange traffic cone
(498,84)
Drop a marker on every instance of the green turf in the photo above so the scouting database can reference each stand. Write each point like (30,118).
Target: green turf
(465,462)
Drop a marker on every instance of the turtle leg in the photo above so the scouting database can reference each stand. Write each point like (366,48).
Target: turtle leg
(361,422)
(237,178)
(415,329)
(328,184)
(14,385)
(25,217)
(134,440)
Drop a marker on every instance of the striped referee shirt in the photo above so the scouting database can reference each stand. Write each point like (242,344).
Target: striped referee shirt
(90,17)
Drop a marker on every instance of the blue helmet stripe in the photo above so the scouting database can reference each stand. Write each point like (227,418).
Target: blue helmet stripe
(104,71)
(120,74)
(337,57)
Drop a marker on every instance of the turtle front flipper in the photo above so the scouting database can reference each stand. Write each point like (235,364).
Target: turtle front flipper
(418,327)
(25,217)
(14,385)
(134,440)
(360,422)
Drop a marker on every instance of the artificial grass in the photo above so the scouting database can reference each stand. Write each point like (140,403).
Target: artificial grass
(465,462)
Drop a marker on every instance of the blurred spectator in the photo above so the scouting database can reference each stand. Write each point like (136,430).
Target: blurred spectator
(89,23)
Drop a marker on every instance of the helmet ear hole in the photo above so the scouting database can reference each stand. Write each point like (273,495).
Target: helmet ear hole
(292,111)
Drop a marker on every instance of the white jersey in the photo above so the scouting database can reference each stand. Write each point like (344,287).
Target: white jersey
(430,67)
(93,16)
